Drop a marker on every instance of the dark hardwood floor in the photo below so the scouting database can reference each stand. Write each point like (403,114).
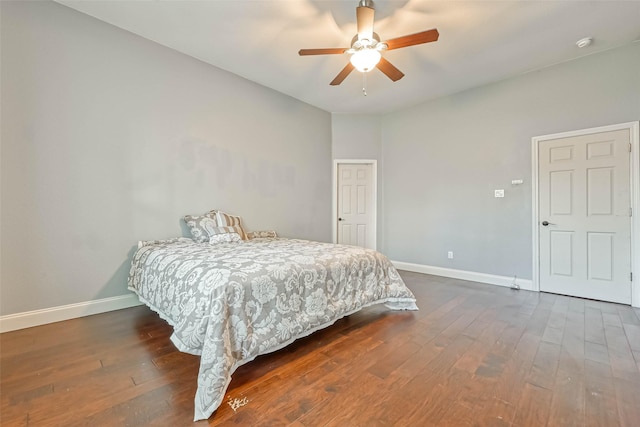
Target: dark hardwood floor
(473,355)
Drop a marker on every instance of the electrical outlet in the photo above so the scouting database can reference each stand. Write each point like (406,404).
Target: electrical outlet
(498,193)
(450,254)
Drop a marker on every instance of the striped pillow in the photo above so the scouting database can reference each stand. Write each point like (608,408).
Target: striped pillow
(226,220)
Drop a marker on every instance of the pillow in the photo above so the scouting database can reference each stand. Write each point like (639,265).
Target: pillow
(202,226)
(261,234)
(224,230)
(226,220)
(143,243)
(225,238)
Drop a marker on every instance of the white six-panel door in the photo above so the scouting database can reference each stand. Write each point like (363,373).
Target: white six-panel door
(356,224)
(584,216)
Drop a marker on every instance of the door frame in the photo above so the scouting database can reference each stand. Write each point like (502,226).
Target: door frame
(634,176)
(334,196)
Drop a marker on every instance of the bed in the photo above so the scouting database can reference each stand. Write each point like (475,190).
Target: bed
(233,301)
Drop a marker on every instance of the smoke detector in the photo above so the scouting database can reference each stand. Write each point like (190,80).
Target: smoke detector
(585,42)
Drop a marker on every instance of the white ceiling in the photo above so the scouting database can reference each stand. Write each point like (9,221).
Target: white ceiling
(481,41)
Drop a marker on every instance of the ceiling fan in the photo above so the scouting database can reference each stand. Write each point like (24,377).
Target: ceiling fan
(366,46)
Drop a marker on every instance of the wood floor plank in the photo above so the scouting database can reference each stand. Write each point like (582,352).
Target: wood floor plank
(600,396)
(396,356)
(594,327)
(533,408)
(497,381)
(422,389)
(568,402)
(621,358)
(501,408)
(596,352)
(628,314)
(472,359)
(473,355)
(338,387)
(545,365)
(627,392)
(433,410)
(553,335)
(351,405)
(633,335)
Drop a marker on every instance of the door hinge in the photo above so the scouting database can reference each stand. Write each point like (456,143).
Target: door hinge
(630,211)
(629,147)
(631,276)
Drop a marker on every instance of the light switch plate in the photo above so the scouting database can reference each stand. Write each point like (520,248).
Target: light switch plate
(499,193)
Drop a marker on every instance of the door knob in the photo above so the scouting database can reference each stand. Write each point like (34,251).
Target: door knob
(545,223)
(340,219)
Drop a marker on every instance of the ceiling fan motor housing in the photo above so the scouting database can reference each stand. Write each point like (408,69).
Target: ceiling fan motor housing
(357,44)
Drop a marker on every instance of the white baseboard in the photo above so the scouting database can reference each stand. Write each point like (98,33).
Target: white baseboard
(29,319)
(464,275)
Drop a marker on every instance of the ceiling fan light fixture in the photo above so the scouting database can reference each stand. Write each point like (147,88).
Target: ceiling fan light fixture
(365,60)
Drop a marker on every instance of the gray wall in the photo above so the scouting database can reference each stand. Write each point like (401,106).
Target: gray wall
(443,160)
(108,138)
(356,136)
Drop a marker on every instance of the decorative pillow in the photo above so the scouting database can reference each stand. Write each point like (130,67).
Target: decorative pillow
(225,238)
(261,234)
(143,243)
(224,230)
(226,220)
(202,226)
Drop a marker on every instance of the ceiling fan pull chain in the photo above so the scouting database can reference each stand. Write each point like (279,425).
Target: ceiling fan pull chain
(364,84)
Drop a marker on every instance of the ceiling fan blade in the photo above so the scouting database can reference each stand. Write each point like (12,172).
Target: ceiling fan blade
(364,19)
(389,70)
(413,39)
(328,51)
(342,74)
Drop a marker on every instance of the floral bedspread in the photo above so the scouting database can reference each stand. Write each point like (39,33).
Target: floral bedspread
(231,302)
